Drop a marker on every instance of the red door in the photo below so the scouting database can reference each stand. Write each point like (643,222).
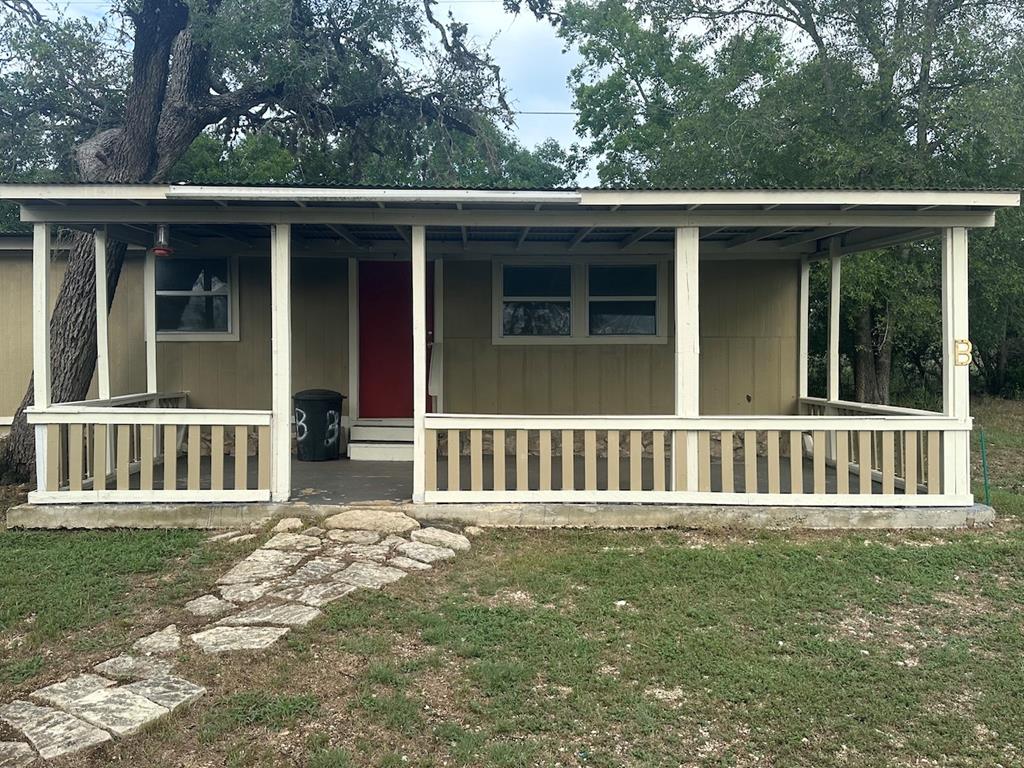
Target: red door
(385,337)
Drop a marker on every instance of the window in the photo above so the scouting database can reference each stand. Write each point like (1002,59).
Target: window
(586,301)
(196,299)
(622,300)
(536,300)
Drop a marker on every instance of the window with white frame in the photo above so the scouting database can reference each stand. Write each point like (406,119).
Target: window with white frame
(196,298)
(585,301)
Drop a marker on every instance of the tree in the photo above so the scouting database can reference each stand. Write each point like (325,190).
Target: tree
(876,93)
(124,98)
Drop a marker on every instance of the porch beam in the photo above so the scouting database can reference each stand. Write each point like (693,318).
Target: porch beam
(687,321)
(419,359)
(833,322)
(956,359)
(102,300)
(281,362)
(516,218)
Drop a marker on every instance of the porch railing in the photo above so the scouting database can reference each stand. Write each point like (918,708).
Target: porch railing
(778,460)
(150,448)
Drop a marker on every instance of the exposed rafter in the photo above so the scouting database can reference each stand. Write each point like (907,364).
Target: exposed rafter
(345,234)
(813,234)
(637,236)
(752,237)
(580,236)
(522,237)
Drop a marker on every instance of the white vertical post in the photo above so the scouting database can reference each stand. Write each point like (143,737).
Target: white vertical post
(281,361)
(805,291)
(102,343)
(437,346)
(833,320)
(419,359)
(149,319)
(353,340)
(956,360)
(41,340)
(687,309)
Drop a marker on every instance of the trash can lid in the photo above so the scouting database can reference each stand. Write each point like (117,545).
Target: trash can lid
(319,394)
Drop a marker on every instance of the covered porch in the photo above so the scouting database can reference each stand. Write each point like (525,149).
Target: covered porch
(820,451)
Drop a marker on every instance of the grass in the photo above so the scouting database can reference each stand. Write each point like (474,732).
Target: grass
(583,648)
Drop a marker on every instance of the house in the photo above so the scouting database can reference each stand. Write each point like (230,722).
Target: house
(559,346)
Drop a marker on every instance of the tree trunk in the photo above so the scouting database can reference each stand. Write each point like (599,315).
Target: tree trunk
(864,358)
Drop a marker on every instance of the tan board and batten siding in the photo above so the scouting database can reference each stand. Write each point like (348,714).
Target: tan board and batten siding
(748,345)
(748,336)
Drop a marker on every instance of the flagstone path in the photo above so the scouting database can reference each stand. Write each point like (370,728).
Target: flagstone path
(281,585)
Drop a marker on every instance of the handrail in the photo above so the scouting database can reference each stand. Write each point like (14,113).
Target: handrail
(180,416)
(852,405)
(935,422)
(120,400)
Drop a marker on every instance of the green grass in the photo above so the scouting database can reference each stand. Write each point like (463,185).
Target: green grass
(255,709)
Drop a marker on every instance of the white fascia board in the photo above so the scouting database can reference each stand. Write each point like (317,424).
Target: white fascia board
(827,197)
(98,192)
(288,194)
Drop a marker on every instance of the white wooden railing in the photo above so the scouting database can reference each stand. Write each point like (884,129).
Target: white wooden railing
(149,448)
(668,459)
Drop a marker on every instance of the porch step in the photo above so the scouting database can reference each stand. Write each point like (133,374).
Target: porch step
(394,451)
(393,433)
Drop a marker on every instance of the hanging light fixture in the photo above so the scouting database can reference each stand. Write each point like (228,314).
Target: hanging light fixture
(162,241)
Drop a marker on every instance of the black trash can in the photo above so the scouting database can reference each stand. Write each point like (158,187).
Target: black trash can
(318,430)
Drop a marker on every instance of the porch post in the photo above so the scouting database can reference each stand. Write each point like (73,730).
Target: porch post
(687,369)
(102,344)
(41,340)
(956,360)
(419,360)
(281,361)
(833,324)
(353,341)
(805,290)
(149,314)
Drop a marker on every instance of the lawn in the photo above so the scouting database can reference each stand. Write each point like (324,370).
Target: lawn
(578,648)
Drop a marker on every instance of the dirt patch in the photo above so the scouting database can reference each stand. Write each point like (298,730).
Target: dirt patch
(515,598)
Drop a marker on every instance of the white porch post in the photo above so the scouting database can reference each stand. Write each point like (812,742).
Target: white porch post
(805,290)
(41,340)
(281,361)
(956,360)
(353,341)
(687,369)
(102,343)
(419,359)
(149,318)
(833,320)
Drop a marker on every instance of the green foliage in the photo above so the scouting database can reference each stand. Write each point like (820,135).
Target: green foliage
(772,93)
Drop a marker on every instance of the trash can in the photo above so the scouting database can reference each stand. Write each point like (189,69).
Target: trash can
(318,430)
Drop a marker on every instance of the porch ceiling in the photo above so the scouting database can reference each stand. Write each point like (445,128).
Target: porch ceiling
(732,222)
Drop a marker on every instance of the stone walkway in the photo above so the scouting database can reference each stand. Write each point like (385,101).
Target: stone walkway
(281,585)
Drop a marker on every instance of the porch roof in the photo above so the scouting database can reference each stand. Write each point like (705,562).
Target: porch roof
(735,221)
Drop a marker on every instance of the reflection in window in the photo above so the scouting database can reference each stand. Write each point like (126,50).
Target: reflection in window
(193,295)
(536,300)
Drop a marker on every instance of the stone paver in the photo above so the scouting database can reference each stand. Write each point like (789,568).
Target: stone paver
(317,569)
(223,536)
(473,530)
(167,640)
(370,575)
(261,565)
(354,537)
(286,615)
(117,710)
(295,541)
(375,552)
(369,519)
(14,754)
(53,733)
(241,539)
(314,531)
(208,605)
(169,692)
(288,525)
(425,553)
(126,667)
(222,639)
(317,595)
(441,538)
(246,592)
(63,693)
(408,564)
